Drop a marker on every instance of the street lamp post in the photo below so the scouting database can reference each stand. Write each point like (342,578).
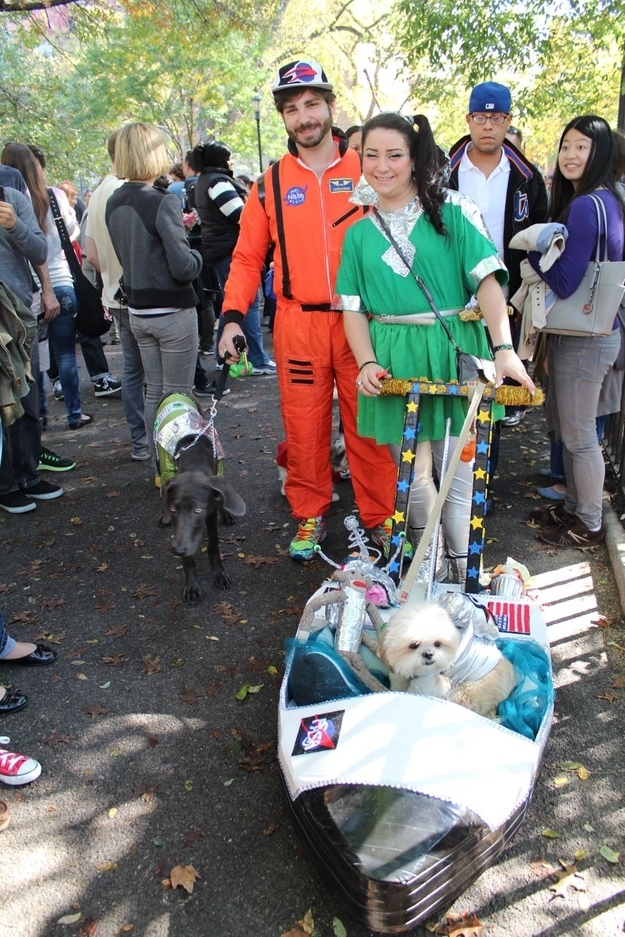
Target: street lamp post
(256,109)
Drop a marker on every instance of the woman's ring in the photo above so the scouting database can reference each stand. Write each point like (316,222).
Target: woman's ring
(358,383)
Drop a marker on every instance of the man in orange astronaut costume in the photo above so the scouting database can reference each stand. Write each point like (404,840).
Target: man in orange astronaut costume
(301,205)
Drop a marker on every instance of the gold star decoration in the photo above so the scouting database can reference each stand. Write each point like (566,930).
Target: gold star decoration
(412,407)
(480,473)
(407,456)
(398,517)
(476,523)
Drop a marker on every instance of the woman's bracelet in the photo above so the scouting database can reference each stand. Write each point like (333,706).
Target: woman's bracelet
(505,347)
(365,363)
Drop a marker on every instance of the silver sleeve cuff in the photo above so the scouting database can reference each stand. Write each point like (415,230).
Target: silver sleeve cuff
(347,303)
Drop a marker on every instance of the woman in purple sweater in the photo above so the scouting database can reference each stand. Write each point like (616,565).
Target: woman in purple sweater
(577,365)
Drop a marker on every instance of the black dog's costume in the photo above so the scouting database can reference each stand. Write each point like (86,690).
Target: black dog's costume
(178,424)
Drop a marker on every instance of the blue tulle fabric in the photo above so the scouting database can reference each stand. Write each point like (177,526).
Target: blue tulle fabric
(525,708)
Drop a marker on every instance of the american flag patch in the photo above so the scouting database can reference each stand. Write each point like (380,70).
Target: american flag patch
(511,618)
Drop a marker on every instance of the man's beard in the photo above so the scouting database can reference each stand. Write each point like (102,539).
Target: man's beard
(324,128)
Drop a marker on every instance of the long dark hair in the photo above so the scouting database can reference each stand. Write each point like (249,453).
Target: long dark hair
(597,171)
(213,155)
(425,155)
(20,157)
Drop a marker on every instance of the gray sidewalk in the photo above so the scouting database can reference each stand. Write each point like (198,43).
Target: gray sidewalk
(177,771)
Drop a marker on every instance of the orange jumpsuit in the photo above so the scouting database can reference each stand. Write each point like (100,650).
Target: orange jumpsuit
(308,225)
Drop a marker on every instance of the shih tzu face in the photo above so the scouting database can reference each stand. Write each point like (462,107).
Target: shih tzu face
(420,642)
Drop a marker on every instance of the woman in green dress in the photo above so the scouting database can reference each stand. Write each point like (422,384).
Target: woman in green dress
(442,235)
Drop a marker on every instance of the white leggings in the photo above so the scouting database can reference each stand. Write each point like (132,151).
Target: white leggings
(457,507)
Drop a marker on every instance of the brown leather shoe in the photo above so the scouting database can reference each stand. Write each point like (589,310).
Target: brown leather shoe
(553,515)
(577,535)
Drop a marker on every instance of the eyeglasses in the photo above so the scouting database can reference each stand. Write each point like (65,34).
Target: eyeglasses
(495,119)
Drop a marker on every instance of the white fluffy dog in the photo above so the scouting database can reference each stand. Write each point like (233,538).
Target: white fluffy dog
(434,656)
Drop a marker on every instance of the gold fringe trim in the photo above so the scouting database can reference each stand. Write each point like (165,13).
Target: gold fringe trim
(506,395)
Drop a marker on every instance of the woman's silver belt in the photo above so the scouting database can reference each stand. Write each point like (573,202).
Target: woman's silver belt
(421,318)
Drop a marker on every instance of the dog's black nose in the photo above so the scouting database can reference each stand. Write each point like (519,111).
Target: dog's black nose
(427,655)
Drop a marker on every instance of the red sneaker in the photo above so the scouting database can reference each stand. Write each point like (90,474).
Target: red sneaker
(16,769)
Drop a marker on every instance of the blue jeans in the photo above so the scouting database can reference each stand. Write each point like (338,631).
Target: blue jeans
(7,643)
(133,379)
(251,320)
(577,367)
(168,346)
(62,335)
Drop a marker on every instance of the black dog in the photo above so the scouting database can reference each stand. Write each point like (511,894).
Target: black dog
(193,496)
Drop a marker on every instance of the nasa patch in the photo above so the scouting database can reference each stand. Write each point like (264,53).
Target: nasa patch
(295,196)
(341,185)
(318,733)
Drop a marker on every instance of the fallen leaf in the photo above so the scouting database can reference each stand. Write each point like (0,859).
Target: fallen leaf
(158,841)
(29,618)
(70,918)
(570,765)
(256,561)
(104,605)
(188,695)
(228,782)
(292,610)
(115,660)
(96,710)
(144,791)
(88,927)
(152,741)
(579,855)
(619,683)
(143,591)
(113,812)
(608,854)
(188,785)
(107,867)
(76,521)
(582,773)
(151,664)
(176,662)
(55,738)
(105,686)
(269,830)
(551,834)
(560,780)
(609,696)
(193,836)
(338,928)
(542,868)
(567,876)
(213,689)
(52,602)
(227,612)
(102,567)
(116,630)
(183,876)
(459,925)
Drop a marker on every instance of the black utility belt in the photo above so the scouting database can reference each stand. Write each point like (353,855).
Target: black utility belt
(318,307)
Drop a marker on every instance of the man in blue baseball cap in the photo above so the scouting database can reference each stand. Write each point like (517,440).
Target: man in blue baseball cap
(505,186)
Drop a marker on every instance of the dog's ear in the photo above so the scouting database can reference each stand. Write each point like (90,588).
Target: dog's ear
(230,500)
(167,492)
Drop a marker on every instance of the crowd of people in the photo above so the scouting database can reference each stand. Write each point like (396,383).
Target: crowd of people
(349,226)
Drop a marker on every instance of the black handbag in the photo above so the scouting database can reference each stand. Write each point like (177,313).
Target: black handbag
(470,368)
(91,319)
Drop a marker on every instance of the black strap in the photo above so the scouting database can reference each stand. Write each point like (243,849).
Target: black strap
(2,198)
(419,280)
(65,239)
(277,195)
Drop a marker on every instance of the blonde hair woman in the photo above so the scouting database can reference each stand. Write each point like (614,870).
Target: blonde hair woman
(146,228)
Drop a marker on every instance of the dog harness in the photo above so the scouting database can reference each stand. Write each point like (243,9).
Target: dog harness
(177,426)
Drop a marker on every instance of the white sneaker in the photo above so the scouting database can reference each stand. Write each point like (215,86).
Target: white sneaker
(268,368)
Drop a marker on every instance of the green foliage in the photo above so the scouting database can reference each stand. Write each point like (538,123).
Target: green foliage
(559,59)
(66,81)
